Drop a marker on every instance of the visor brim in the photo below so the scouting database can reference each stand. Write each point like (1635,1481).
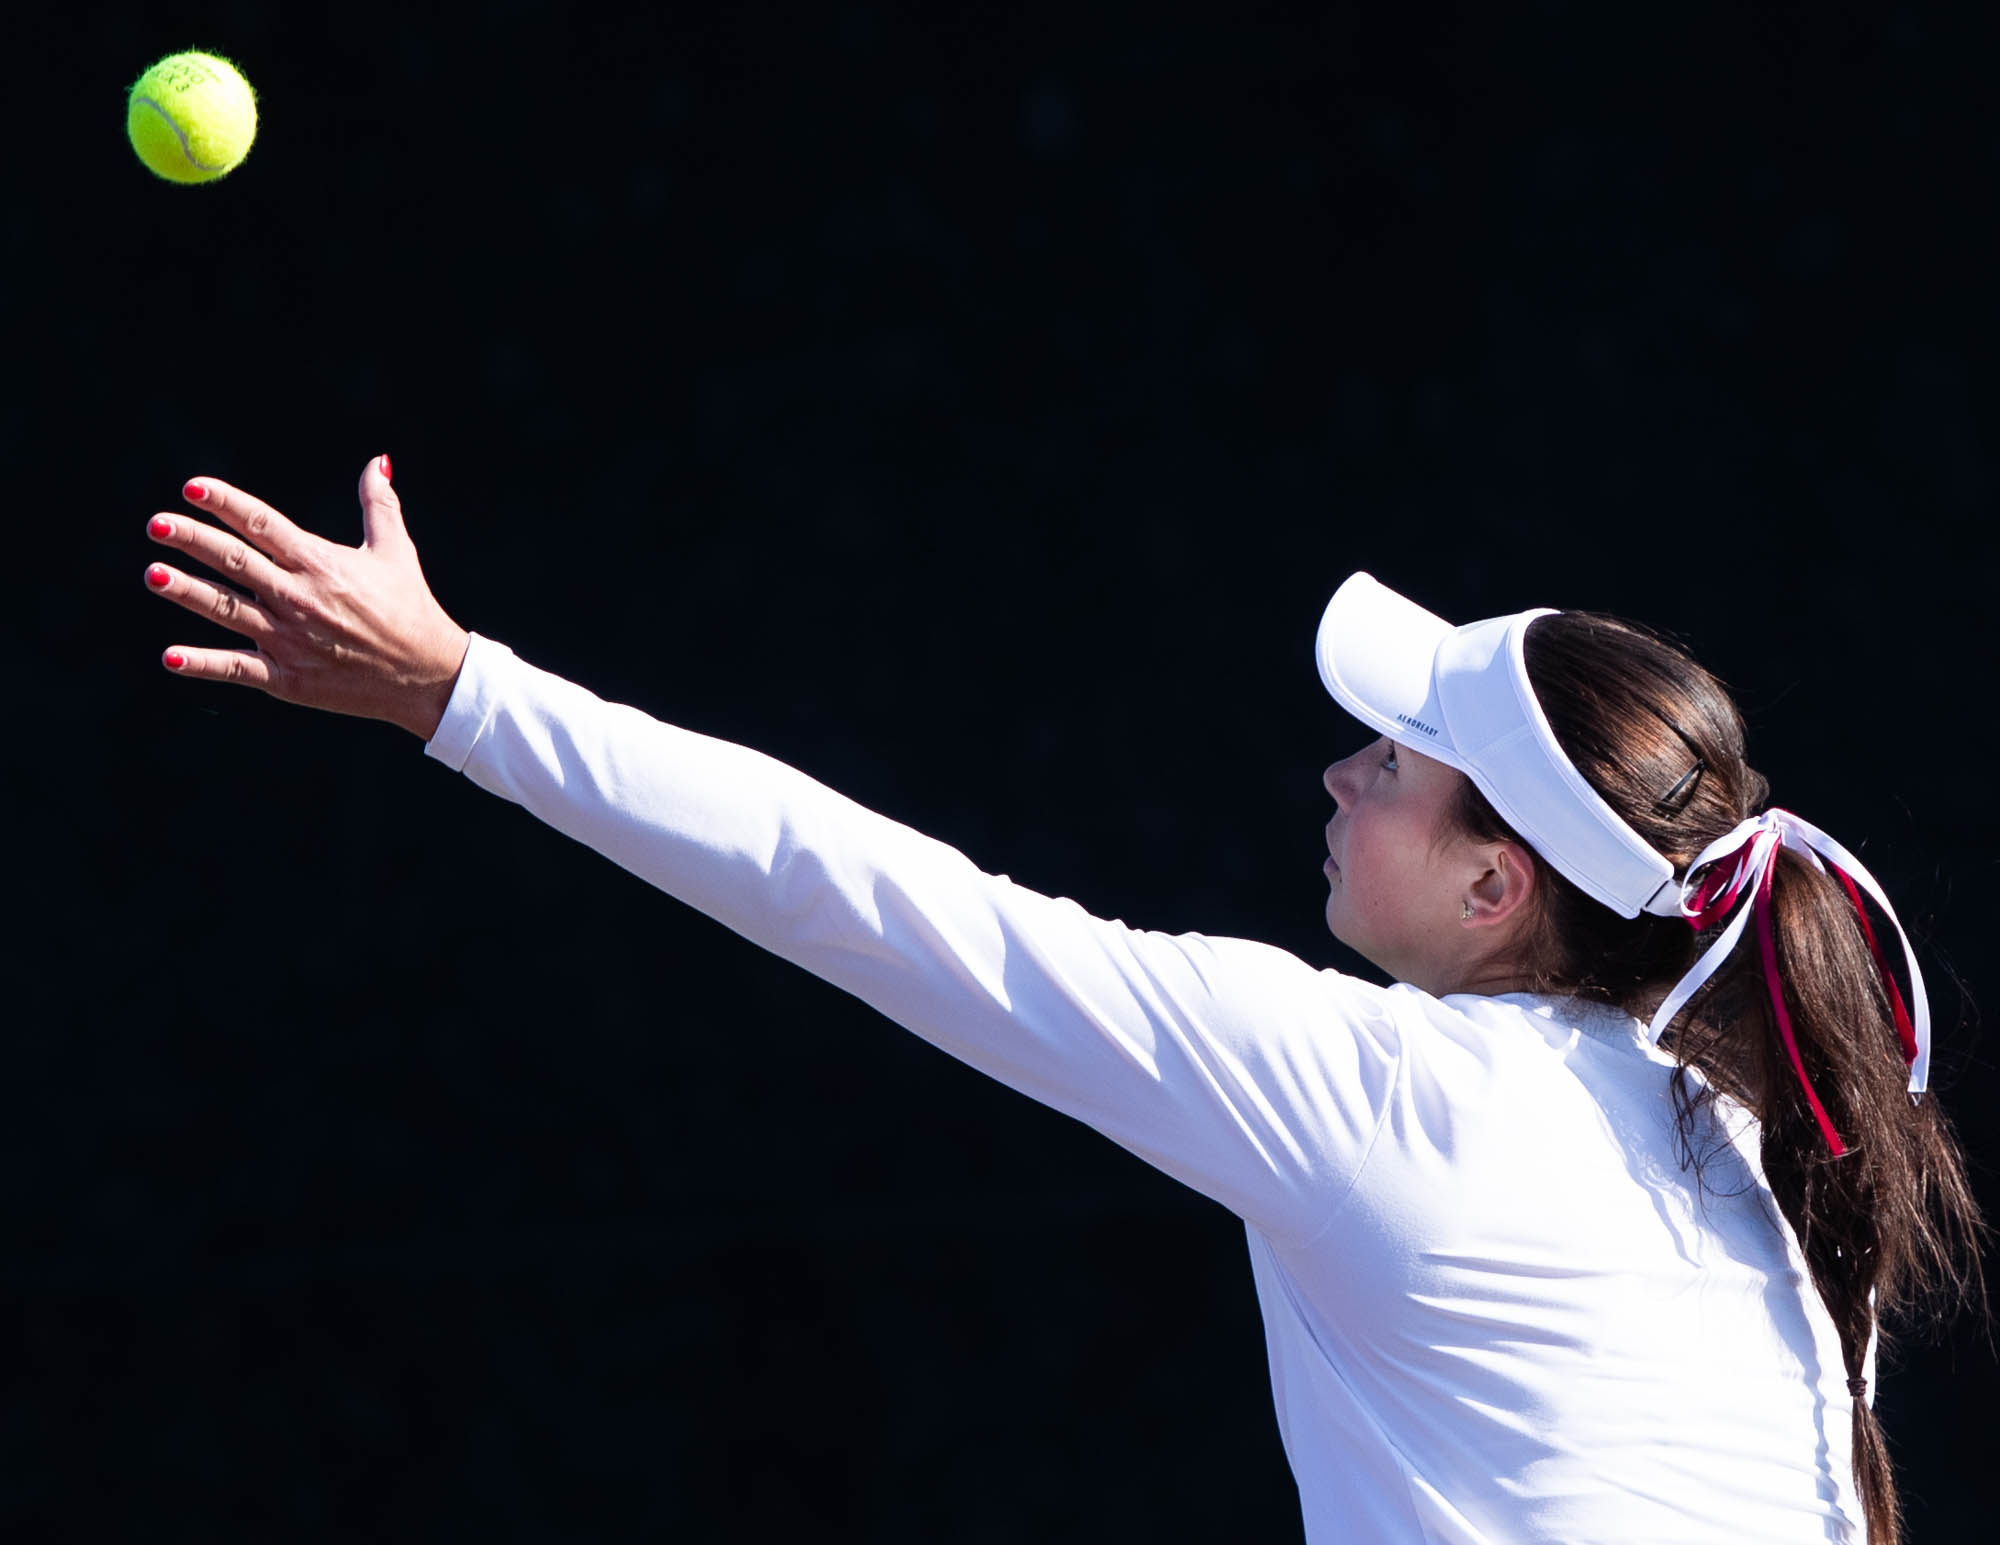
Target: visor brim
(1377,653)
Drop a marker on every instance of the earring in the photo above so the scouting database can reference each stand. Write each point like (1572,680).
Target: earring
(1465,911)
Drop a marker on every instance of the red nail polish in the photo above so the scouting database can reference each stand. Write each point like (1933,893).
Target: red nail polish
(385,471)
(176,660)
(195,492)
(158,577)
(160,527)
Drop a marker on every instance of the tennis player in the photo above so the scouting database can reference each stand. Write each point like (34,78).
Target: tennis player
(1579,1232)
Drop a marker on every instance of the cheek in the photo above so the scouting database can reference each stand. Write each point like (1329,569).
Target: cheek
(1388,874)
(1378,847)
(1367,873)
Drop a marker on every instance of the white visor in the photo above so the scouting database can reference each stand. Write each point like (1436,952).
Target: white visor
(1462,695)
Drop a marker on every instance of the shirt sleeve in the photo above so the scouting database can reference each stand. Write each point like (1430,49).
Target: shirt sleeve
(1231,1065)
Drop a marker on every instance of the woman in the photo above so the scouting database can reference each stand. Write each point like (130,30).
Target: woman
(1579,1232)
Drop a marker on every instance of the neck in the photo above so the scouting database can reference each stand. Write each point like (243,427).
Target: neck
(1488,977)
(1485,984)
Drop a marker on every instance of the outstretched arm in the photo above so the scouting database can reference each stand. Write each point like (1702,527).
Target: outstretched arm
(353,630)
(1233,1066)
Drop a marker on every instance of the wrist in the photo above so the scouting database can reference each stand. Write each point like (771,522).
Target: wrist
(425,706)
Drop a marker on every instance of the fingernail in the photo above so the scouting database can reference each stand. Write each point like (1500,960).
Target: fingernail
(158,577)
(176,660)
(160,527)
(195,492)
(385,470)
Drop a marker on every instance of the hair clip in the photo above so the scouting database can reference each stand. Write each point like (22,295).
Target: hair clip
(1665,803)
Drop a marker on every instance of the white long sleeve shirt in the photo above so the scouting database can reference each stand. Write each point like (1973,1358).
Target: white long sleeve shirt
(1496,1306)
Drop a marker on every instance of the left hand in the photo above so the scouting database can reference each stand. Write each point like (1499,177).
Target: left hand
(352,630)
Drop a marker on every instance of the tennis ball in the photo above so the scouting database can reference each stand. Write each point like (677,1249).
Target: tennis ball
(191,117)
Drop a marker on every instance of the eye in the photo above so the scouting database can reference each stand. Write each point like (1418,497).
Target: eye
(1389,761)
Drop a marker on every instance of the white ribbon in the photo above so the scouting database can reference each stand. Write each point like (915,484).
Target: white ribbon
(1756,843)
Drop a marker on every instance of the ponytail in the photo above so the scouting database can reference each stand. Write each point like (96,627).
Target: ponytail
(1886,1224)
(1891,1220)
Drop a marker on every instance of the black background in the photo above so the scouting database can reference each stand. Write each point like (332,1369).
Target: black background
(974,408)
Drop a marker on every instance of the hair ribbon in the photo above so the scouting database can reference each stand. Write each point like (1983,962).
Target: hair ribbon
(1742,865)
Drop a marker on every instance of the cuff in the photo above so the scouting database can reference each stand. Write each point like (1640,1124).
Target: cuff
(473,699)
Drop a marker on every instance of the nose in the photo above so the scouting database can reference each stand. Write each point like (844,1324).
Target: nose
(1338,779)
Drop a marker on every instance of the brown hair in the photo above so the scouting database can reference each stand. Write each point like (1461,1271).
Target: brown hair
(1891,1223)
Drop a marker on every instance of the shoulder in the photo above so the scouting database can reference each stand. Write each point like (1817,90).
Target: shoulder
(1264,991)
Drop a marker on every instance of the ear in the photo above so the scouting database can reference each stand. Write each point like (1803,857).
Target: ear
(1504,886)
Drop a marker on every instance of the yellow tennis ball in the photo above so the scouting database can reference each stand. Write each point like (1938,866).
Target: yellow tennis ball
(192,117)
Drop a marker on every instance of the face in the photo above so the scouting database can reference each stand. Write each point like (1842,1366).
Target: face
(1396,886)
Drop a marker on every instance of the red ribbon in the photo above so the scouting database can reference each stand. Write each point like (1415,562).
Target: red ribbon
(1716,897)
(1762,906)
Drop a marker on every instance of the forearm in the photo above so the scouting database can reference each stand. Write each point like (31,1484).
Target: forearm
(717,825)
